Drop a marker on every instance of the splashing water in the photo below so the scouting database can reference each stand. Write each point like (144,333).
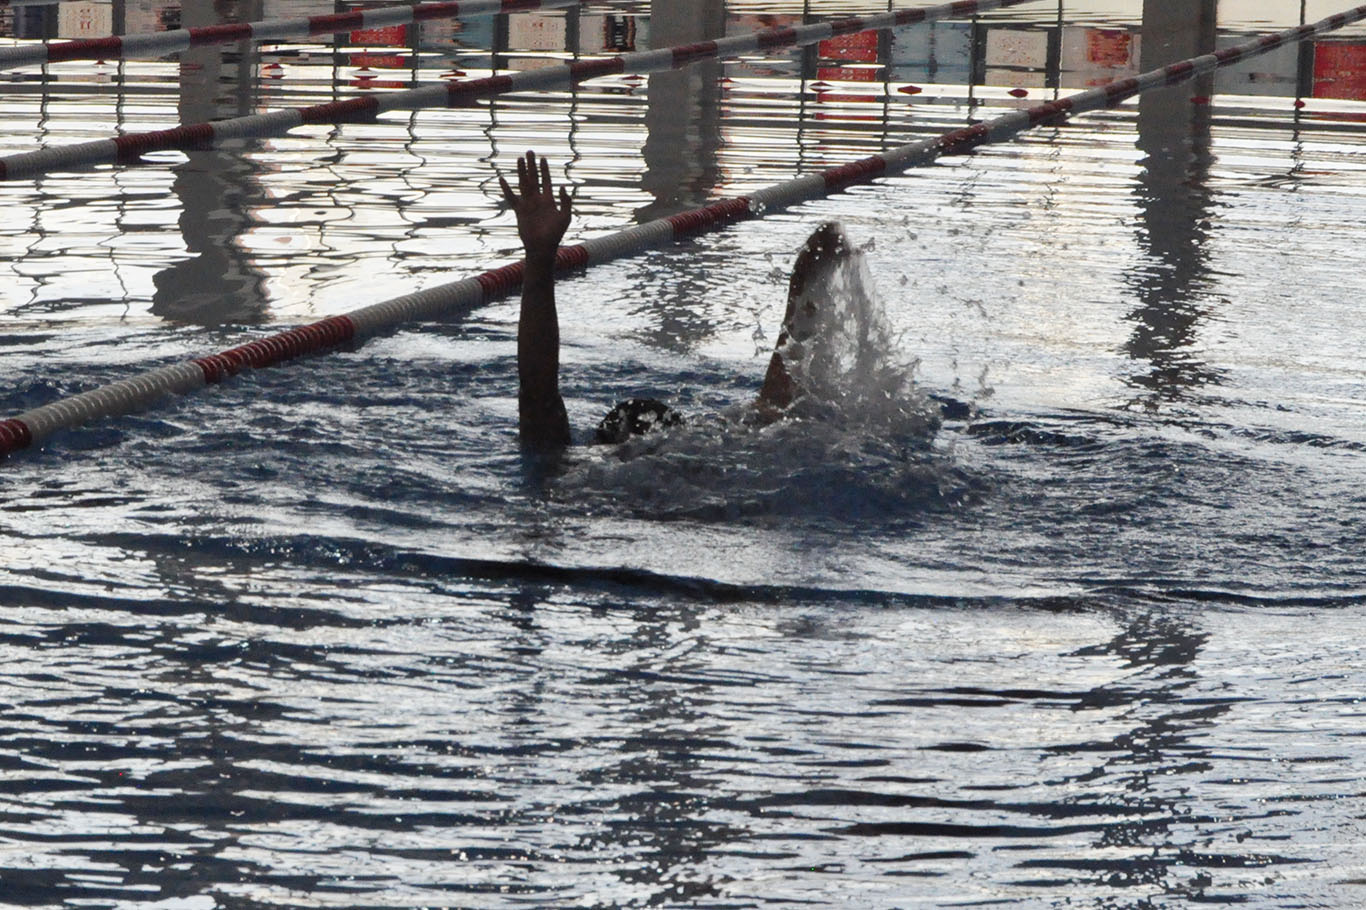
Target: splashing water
(857,441)
(840,350)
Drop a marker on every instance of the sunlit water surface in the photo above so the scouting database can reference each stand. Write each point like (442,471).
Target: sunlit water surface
(315,638)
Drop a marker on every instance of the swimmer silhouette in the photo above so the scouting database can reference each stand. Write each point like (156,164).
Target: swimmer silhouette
(542,218)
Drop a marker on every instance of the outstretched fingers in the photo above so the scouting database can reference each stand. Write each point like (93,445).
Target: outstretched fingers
(545,176)
(542,215)
(533,181)
(526,175)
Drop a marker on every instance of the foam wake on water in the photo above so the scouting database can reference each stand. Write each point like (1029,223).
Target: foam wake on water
(857,442)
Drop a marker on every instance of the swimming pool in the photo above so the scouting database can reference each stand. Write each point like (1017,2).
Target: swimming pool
(314,638)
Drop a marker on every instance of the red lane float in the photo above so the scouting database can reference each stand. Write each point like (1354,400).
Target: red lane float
(35,425)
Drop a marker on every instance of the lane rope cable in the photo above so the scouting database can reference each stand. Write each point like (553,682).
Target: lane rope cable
(140,391)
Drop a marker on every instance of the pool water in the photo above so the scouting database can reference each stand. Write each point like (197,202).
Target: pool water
(317,637)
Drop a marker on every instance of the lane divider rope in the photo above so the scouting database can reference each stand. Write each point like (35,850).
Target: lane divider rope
(131,146)
(128,395)
(159,44)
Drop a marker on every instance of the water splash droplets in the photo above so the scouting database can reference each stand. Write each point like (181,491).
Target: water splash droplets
(856,443)
(846,359)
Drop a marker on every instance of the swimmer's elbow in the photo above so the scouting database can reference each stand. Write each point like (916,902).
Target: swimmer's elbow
(778,389)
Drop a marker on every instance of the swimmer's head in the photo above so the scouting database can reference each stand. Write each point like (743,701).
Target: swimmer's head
(635,417)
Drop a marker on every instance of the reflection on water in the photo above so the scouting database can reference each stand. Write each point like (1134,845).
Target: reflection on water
(712,129)
(1176,206)
(216,188)
(1164,739)
(309,640)
(682,117)
(521,745)
(680,153)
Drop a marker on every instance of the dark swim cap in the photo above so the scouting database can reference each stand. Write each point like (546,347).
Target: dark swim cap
(635,417)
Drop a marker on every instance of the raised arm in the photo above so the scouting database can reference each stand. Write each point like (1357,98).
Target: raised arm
(823,253)
(541,222)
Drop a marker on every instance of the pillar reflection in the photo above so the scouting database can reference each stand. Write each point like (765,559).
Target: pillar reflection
(1153,760)
(683,120)
(1175,204)
(217,187)
(683,123)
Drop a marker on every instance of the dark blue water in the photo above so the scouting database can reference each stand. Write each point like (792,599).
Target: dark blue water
(316,637)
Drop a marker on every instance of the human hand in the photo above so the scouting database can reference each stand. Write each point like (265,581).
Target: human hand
(540,221)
